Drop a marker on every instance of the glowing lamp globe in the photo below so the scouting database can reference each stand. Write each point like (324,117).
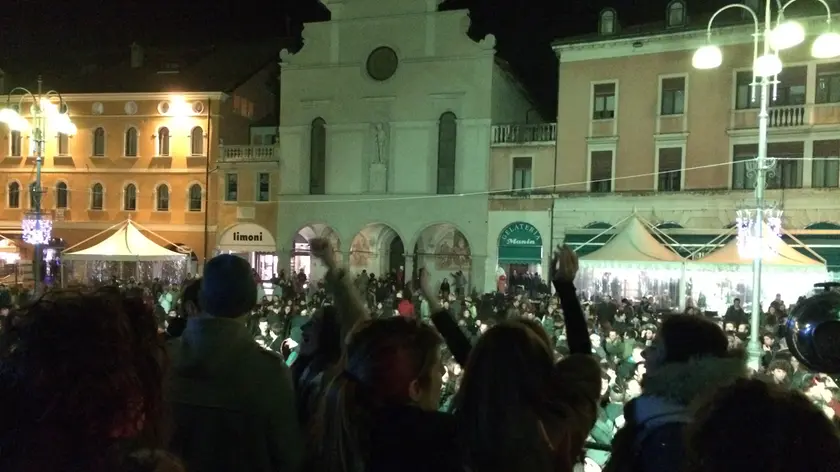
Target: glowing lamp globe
(826,46)
(787,35)
(8,115)
(707,57)
(767,65)
(19,123)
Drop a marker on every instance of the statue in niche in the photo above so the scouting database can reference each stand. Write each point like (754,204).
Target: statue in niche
(380,136)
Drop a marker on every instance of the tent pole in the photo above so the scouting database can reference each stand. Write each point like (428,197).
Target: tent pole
(603,232)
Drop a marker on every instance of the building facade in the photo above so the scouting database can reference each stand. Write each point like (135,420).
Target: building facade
(380,154)
(640,131)
(154,154)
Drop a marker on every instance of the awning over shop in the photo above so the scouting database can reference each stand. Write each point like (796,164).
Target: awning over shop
(520,243)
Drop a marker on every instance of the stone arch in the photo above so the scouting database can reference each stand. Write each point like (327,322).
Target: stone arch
(668,225)
(823,225)
(442,249)
(300,255)
(597,225)
(377,248)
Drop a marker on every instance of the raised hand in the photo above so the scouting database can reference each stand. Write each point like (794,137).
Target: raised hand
(564,264)
(322,249)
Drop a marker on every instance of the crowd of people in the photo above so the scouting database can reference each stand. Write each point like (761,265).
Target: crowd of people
(362,373)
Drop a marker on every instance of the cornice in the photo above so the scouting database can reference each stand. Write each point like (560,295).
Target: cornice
(607,47)
(113,97)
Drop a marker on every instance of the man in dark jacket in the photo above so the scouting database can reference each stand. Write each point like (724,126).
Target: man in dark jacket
(232,401)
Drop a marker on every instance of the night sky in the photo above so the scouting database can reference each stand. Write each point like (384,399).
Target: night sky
(34,32)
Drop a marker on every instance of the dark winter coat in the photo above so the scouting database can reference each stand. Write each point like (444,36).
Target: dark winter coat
(233,402)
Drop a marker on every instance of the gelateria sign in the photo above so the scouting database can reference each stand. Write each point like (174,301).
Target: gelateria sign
(247,237)
(520,243)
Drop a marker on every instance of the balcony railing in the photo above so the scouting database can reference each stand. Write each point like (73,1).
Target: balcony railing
(524,134)
(787,116)
(791,116)
(249,153)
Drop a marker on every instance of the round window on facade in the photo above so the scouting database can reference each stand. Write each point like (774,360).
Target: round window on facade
(382,63)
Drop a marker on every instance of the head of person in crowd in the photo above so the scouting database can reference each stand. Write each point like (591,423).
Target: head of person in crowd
(389,364)
(688,358)
(757,426)
(189,305)
(81,377)
(228,289)
(684,338)
(502,426)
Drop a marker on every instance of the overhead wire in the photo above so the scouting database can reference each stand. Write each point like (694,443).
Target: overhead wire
(402,198)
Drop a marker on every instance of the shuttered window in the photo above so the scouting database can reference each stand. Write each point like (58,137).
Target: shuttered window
(670,169)
(601,172)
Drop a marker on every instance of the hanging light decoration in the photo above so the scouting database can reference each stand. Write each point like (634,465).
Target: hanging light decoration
(37,229)
(750,245)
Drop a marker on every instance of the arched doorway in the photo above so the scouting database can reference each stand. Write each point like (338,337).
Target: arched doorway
(377,249)
(301,255)
(444,251)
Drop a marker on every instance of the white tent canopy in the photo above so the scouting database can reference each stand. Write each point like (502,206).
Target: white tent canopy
(126,244)
(633,247)
(781,257)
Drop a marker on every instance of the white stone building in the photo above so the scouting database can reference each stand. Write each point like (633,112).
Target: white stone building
(385,131)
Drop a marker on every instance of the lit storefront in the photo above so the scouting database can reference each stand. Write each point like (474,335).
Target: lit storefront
(520,250)
(253,243)
(9,258)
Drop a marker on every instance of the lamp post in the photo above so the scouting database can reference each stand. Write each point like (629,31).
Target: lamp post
(772,36)
(37,230)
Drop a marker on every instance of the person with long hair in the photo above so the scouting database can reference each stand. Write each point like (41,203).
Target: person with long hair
(516,409)
(81,386)
(379,414)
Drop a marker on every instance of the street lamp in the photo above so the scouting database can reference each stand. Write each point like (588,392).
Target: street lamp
(774,36)
(47,108)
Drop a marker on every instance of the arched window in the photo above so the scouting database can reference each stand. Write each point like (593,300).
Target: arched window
(195,198)
(163,142)
(162,198)
(97,197)
(15,144)
(607,22)
(447,152)
(99,142)
(130,198)
(14,195)
(197,141)
(34,196)
(131,142)
(63,144)
(676,13)
(318,157)
(61,196)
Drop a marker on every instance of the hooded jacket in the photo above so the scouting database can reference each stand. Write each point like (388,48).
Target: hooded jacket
(652,438)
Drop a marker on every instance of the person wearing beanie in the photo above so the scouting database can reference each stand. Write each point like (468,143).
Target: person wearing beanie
(688,359)
(233,402)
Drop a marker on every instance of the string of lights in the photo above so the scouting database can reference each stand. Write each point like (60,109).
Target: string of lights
(524,190)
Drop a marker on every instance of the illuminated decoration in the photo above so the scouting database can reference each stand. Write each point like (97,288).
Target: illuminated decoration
(750,244)
(36,229)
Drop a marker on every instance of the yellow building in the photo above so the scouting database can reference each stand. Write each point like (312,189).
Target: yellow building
(163,139)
